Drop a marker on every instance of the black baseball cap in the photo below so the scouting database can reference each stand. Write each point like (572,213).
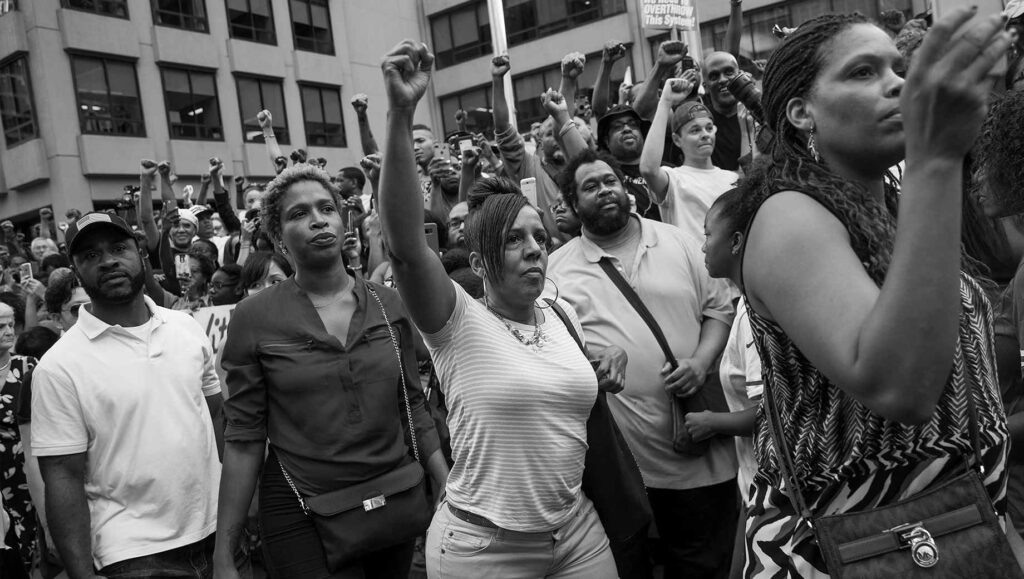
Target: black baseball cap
(605,122)
(91,221)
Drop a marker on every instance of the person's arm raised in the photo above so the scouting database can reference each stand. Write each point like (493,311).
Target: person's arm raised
(891,348)
(500,66)
(277,158)
(569,137)
(672,95)
(147,172)
(734,31)
(425,288)
(670,53)
(572,67)
(369,144)
(613,51)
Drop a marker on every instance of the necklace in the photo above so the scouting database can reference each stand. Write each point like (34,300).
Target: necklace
(534,342)
(330,303)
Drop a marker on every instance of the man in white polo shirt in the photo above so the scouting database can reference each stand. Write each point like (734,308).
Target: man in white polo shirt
(693,498)
(121,422)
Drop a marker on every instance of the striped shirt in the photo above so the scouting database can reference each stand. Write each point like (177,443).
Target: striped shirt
(517,416)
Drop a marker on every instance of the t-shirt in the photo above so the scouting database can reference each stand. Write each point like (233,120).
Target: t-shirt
(668,274)
(517,416)
(640,194)
(740,374)
(135,404)
(691,192)
(728,140)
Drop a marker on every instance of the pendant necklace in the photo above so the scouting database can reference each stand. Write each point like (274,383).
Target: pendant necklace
(535,342)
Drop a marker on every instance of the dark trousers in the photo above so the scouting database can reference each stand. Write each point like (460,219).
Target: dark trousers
(195,560)
(697,529)
(291,545)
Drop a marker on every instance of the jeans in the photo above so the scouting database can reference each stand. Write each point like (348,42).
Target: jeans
(291,545)
(698,529)
(457,549)
(195,560)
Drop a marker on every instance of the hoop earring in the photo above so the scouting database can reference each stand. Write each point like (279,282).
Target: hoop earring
(554,299)
(812,147)
(282,248)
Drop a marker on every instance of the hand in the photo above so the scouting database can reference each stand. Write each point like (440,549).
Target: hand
(500,66)
(7,226)
(216,167)
(355,204)
(625,93)
(945,97)
(480,142)
(204,179)
(45,214)
(265,119)
(438,168)
(34,286)
(298,156)
(460,116)
(686,379)
(611,369)
(407,74)
(583,109)
(572,64)
(239,181)
(613,50)
(554,103)
(470,160)
(280,163)
(248,228)
(186,196)
(698,424)
(371,165)
(352,249)
(670,53)
(164,168)
(360,102)
(675,91)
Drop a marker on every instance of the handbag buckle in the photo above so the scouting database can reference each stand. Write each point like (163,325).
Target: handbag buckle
(374,503)
(915,537)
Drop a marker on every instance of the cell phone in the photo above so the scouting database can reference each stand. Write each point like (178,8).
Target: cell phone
(63,226)
(347,219)
(529,188)
(181,268)
(430,229)
(252,214)
(25,271)
(441,151)
(986,8)
(687,63)
(464,145)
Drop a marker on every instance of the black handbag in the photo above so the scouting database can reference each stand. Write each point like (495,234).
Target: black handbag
(372,515)
(704,399)
(950,530)
(611,477)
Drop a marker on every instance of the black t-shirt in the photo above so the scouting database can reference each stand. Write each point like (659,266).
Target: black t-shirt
(728,141)
(637,185)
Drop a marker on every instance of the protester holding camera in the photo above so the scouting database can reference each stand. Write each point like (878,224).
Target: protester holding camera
(330,382)
(686,192)
(876,347)
(737,130)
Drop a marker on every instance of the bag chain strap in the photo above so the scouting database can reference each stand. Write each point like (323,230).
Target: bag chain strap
(405,395)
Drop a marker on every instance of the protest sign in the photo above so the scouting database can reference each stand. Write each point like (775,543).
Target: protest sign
(668,14)
(214,321)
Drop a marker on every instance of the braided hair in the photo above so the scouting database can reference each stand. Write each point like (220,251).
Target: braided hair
(790,73)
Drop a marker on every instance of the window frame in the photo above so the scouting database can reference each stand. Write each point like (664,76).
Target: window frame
(309,12)
(10,60)
(204,19)
(488,97)
(248,3)
(472,51)
(320,88)
(104,58)
(545,29)
(66,5)
(189,70)
(261,79)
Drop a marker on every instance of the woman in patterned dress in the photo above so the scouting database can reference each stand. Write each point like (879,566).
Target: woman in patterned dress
(870,335)
(13,372)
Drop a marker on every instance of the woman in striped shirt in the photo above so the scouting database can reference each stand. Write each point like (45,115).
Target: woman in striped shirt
(518,387)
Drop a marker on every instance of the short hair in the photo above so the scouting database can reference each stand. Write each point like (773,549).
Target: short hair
(51,245)
(270,211)
(209,245)
(354,173)
(453,259)
(206,265)
(422,127)
(258,264)
(494,203)
(59,291)
(17,303)
(566,179)
(35,342)
(55,260)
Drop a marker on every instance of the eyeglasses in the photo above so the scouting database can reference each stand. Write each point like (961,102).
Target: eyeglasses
(217,285)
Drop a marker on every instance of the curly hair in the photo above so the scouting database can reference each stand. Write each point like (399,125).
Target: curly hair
(270,210)
(494,203)
(566,178)
(791,73)
(997,151)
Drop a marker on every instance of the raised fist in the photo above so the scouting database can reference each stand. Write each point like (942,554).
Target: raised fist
(360,102)
(572,64)
(407,73)
(671,52)
(613,50)
(554,103)
(265,119)
(500,66)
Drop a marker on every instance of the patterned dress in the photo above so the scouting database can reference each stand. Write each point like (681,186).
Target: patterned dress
(12,461)
(849,458)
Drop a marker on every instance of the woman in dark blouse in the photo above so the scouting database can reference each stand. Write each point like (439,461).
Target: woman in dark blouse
(311,368)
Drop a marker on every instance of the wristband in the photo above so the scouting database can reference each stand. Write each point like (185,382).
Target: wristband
(270,136)
(568,126)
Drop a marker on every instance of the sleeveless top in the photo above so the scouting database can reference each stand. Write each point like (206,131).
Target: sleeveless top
(847,457)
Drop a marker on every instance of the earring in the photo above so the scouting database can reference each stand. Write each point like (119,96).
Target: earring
(812,147)
(282,248)
(548,280)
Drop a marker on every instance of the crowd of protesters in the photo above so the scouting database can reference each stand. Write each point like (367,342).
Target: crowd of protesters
(426,351)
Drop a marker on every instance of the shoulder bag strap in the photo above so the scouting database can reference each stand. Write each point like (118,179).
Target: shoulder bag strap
(568,325)
(786,467)
(634,300)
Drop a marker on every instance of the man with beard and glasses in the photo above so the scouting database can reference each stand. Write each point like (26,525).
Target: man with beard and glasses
(124,438)
(693,498)
(621,132)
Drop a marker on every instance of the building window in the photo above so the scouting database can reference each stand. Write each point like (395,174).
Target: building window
(108,97)
(187,14)
(477,104)
(321,109)
(192,108)
(461,34)
(7,6)
(17,115)
(256,94)
(251,20)
(118,8)
(311,26)
(526,20)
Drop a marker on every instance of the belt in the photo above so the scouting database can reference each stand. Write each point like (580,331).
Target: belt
(471,518)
